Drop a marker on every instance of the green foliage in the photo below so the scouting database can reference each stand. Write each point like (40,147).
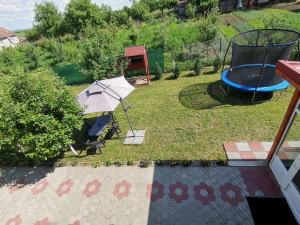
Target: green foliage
(217,63)
(176,72)
(145,163)
(275,22)
(38,116)
(47,20)
(100,56)
(207,6)
(81,14)
(190,11)
(140,11)
(209,28)
(166,4)
(198,67)
(158,71)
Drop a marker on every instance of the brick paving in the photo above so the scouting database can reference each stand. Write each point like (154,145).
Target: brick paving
(131,195)
(258,150)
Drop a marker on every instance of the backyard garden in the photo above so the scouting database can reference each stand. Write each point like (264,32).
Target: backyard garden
(185,114)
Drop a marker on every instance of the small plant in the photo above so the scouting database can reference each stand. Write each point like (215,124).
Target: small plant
(186,163)
(145,163)
(108,163)
(198,67)
(205,163)
(159,163)
(221,163)
(118,163)
(96,164)
(217,64)
(176,72)
(130,163)
(158,71)
(174,162)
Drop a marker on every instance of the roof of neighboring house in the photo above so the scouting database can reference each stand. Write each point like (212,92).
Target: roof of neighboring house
(6,33)
(135,51)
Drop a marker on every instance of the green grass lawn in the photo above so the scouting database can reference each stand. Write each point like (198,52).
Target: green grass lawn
(188,118)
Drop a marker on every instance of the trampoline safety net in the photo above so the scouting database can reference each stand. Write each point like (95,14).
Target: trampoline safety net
(254,56)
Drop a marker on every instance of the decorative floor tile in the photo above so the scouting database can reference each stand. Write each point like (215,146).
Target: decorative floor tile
(259,150)
(132,195)
(243,147)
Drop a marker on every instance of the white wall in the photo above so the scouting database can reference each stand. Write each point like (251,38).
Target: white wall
(9,42)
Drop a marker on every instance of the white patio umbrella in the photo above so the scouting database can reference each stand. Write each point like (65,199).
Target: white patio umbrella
(105,96)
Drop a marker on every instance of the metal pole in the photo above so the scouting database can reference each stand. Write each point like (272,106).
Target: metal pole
(125,110)
(261,73)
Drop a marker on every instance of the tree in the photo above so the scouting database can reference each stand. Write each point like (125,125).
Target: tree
(206,6)
(47,20)
(190,11)
(100,57)
(198,67)
(38,116)
(140,11)
(176,72)
(81,14)
(166,4)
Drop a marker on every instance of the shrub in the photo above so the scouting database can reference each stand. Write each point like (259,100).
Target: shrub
(198,67)
(176,72)
(38,116)
(158,71)
(217,64)
(100,57)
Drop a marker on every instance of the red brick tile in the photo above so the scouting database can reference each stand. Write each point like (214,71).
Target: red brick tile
(247,155)
(256,146)
(230,147)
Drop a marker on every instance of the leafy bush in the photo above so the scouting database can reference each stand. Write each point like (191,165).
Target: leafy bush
(198,67)
(38,116)
(176,72)
(217,64)
(100,56)
(158,71)
(190,11)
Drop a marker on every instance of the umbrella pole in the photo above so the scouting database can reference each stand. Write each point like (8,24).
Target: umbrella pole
(125,110)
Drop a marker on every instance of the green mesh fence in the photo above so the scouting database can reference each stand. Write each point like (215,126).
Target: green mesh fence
(71,74)
(155,55)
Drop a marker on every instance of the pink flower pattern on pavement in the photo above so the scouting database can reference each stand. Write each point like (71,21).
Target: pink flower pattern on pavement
(14,221)
(204,193)
(92,188)
(64,187)
(178,192)
(77,222)
(155,191)
(40,186)
(44,221)
(122,189)
(231,193)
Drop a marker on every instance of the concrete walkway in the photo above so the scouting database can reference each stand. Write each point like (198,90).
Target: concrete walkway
(131,195)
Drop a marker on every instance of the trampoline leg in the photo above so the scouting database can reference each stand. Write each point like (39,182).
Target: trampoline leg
(226,93)
(253,97)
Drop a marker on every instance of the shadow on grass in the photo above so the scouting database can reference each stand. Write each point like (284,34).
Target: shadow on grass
(190,74)
(209,95)
(170,78)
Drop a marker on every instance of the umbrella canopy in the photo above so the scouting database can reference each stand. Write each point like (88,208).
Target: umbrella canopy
(104,95)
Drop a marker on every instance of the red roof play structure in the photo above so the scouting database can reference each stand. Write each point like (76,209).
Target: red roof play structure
(138,60)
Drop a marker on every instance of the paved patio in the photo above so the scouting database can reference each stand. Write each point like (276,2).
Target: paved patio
(131,195)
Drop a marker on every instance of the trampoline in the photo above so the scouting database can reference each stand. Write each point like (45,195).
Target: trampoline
(253,60)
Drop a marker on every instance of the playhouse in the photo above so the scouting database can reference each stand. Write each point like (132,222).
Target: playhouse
(138,60)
